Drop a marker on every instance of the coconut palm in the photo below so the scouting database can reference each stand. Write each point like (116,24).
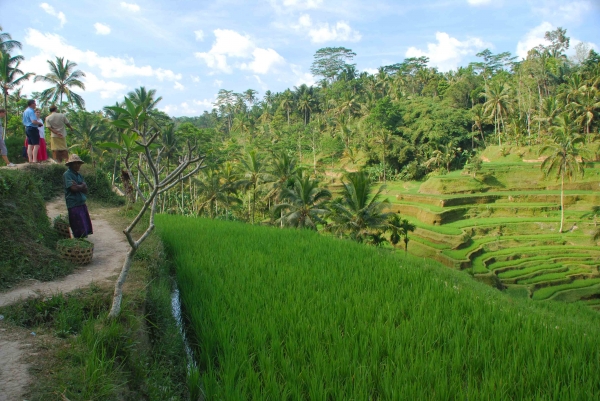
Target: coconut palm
(215,190)
(305,104)
(303,205)
(565,159)
(286,103)
(88,131)
(586,106)
(7,44)
(63,77)
(385,139)
(400,229)
(254,171)
(498,104)
(145,98)
(359,213)
(10,77)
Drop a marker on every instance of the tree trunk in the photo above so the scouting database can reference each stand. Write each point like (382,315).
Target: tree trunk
(118,295)
(562,201)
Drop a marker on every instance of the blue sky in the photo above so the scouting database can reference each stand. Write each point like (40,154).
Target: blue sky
(188,50)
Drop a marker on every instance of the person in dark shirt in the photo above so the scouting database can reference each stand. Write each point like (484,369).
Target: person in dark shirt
(75,196)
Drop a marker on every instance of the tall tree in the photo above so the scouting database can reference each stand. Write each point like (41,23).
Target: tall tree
(10,77)
(565,159)
(63,77)
(359,213)
(7,44)
(255,173)
(329,62)
(303,205)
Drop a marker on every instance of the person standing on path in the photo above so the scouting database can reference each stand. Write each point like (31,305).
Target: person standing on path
(56,123)
(75,191)
(42,152)
(3,150)
(31,123)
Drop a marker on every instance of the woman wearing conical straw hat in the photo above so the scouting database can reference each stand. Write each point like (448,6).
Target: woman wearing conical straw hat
(75,196)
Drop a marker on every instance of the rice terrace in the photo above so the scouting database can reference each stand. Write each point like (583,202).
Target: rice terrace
(300,200)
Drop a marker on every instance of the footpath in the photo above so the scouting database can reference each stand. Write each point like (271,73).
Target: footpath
(17,346)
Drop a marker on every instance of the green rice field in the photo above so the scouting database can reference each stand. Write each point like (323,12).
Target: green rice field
(293,315)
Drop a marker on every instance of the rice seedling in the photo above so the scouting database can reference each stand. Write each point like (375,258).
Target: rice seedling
(289,314)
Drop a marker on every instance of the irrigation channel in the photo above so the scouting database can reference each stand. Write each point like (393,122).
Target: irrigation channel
(176,310)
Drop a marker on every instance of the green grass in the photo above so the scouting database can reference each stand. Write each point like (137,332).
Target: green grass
(285,314)
(27,240)
(138,356)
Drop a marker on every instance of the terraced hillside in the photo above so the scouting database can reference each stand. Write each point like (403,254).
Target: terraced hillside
(502,225)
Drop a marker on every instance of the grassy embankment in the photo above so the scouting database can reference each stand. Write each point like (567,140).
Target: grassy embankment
(27,240)
(493,224)
(83,356)
(287,314)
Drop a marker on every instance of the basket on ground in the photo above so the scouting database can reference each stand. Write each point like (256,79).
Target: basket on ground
(61,225)
(77,251)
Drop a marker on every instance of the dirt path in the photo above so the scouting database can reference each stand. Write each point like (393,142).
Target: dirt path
(110,248)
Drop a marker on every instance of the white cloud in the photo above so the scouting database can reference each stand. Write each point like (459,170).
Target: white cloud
(479,2)
(102,29)
(199,35)
(320,33)
(533,38)
(231,44)
(301,77)
(195,78)
(218,83)
(294,5)
(130,6)
(264,60)
(194,107)
(50,10)
(178,86)
(448,52)
(559,12)
(52,45)
(107,89)
(372,71)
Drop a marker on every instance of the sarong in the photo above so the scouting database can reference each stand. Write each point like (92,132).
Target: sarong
(80,221)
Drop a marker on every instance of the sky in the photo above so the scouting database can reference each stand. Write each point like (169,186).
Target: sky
(188,50)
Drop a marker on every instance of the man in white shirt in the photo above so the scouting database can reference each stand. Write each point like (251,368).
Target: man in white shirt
(56,123)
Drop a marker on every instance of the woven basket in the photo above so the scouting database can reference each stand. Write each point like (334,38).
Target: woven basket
(63,229)
(75,254)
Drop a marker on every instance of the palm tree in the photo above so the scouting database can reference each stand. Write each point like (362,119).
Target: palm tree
(7,44)
(305,104)
(215,190)
(287,102)
(145,98)
(359,213)
(63,76)
(400,228)
(10,77)
(384,138)
(254,171)
(565,159)
(88,129)
(586,106)
(303,204)
(497,104)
